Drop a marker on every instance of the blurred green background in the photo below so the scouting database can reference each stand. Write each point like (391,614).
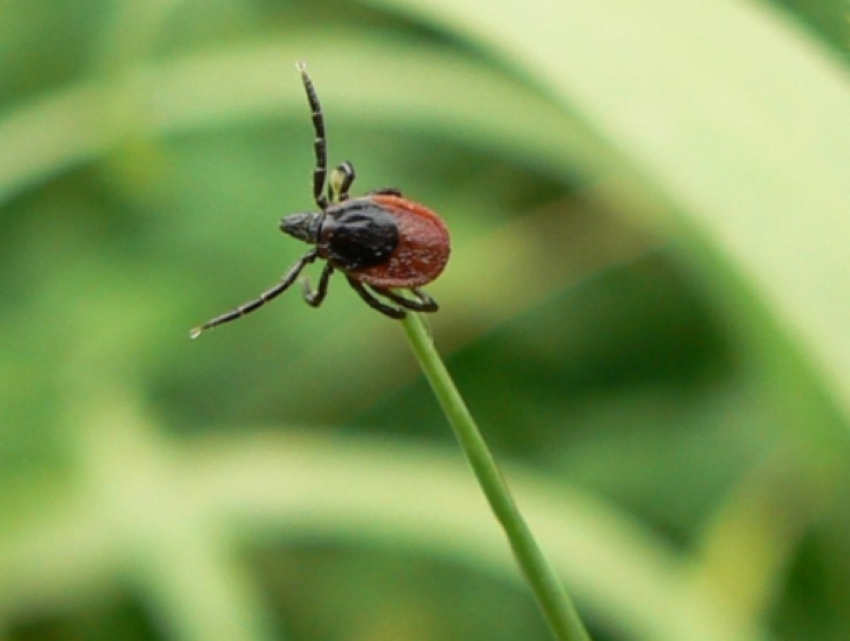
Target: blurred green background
(647,309)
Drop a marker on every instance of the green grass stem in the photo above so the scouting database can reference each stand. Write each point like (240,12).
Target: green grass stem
(557,607)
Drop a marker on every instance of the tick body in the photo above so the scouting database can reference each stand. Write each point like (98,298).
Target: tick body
(381,242)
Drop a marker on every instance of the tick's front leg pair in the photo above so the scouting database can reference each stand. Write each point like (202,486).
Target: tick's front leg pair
(270,294)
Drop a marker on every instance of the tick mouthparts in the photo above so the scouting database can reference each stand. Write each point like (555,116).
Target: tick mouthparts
(303,226)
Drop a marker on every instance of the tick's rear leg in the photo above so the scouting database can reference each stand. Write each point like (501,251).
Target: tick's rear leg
(388,310)
(424,303)
(384,191)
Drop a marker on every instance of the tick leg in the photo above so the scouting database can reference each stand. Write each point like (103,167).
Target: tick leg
(320,142)
(428,303)
(340,182)
(424,303)
(384,191)
(315,297)
(366,295)
(287,280)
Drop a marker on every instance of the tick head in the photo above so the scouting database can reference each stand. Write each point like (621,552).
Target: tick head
(303,226)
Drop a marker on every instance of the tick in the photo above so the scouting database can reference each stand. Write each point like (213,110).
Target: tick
(381,242)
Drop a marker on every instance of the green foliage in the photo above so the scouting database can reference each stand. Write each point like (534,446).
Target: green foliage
(646,309)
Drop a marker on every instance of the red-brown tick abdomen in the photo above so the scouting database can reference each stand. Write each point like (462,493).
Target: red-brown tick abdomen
(422,251)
